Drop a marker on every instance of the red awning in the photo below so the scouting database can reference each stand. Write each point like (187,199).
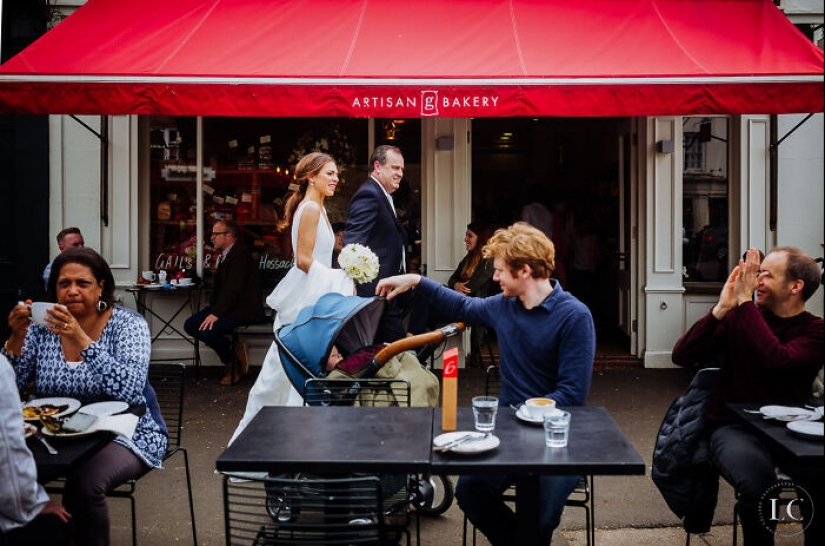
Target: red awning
(418,58)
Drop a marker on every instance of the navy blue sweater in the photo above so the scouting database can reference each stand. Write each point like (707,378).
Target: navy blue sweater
(544,351)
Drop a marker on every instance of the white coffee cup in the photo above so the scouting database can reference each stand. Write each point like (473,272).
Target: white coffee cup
(39,311)
(538,407)
(148,275)
(186,281)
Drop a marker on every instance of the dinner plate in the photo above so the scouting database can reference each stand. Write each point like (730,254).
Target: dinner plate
(29,429)
(109,407)
(806,428)
(787,413)
(72,404)
(527,418)
(480,446)
(47,432)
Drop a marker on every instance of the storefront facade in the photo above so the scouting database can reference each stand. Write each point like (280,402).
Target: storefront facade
(670,185)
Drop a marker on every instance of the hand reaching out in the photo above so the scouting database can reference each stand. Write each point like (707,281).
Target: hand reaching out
(392,286)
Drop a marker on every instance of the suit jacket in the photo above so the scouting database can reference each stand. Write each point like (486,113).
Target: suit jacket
(372,222)
(236,287)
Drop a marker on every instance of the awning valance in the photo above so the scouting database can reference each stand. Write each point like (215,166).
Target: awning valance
(418,58)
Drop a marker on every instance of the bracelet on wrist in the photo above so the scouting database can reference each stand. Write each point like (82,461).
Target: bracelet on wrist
(6,348)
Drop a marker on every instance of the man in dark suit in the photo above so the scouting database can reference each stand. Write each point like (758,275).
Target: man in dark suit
(235,301)
(372,222)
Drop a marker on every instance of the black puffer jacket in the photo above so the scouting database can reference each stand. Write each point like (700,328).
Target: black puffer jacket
(681,465)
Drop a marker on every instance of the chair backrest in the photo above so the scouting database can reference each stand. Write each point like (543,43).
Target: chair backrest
(492,381)
(317,511)
(361,392)
(168,380)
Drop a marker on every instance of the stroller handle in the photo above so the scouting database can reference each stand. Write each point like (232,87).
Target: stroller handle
(413,342)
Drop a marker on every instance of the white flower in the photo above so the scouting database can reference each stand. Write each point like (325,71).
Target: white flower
(359,263)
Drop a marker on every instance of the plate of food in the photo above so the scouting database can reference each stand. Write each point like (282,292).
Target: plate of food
(49,407)
(79,424)
(28,429)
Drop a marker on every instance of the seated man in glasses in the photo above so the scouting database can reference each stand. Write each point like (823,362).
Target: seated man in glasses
(236,300)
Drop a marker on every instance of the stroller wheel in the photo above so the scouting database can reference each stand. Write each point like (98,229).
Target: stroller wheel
(435,494)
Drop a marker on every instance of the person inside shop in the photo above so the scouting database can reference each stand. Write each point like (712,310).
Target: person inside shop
(473,277)
(311,276)
(338,230)
(92,351)
(773,349)
(372,222)
(235,301)
(547,342)
(66,239)
(584,258)
(27,515)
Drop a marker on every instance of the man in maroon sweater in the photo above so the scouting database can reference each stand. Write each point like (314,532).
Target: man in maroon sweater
(773,349)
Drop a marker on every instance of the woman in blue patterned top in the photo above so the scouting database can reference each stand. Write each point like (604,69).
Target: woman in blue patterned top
(91,351)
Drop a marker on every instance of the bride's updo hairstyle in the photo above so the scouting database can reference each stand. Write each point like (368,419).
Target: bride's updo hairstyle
(309,165)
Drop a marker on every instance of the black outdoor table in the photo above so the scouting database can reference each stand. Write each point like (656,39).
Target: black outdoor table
(596,446)
(70,452)
(776,432)
(331,440)
(191,300)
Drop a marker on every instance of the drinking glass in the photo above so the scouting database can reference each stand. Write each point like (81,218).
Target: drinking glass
(484,412)
(557,428)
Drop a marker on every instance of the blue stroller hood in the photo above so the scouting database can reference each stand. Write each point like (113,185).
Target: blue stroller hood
(349,322)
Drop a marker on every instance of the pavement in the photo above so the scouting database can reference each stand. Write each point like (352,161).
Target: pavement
(628,510)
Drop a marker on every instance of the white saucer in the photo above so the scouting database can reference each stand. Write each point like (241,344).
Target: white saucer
(153,286)
(788,413)
(527,418)
(807,428)
(491,442)
(110,407)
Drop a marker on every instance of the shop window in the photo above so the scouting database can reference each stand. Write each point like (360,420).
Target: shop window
(705,202)
(248,166)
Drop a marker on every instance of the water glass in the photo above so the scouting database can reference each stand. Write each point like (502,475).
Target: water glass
(484,412)
(557,428)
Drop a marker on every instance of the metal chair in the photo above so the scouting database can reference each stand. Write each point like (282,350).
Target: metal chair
(398,490)
(295,511)
(582,495)
(167,380)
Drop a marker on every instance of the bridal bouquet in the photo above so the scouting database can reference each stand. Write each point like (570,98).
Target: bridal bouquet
(359,262)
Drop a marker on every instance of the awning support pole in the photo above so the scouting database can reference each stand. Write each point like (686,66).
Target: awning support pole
(795,127)
(103,136)
(773,189)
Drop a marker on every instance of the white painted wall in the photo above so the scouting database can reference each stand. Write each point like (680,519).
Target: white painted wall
(801,191)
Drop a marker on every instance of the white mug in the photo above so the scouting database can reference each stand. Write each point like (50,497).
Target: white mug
(148,275)
(39,311)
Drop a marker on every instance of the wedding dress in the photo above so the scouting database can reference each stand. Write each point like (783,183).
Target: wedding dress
(295,291)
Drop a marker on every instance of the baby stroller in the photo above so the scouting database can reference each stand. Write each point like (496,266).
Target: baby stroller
(350,323)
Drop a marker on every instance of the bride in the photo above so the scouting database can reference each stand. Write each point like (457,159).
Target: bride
(311,275)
